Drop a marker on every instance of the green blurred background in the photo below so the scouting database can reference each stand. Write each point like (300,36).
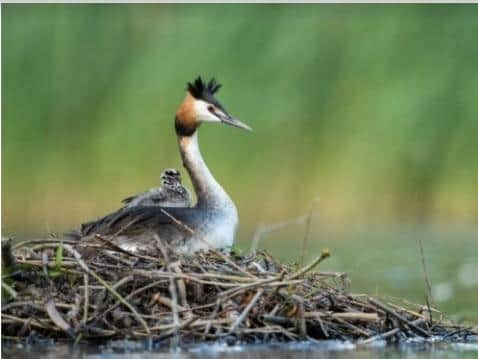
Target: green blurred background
(371,108)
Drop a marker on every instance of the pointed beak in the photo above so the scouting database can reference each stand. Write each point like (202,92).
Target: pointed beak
(232,121)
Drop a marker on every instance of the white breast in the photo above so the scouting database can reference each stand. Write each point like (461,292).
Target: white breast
(222,235)
(217,234)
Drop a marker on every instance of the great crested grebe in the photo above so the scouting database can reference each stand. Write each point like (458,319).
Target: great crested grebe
(171,193)
(212,221)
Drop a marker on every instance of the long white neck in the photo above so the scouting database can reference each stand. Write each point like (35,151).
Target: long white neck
(209,192)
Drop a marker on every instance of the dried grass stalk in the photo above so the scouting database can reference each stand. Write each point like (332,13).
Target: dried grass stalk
(52,291)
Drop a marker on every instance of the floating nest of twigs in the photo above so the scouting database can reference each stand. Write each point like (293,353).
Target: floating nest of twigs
(51,291)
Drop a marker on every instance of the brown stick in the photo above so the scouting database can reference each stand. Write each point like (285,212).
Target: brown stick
(424,268)
(264,229)
(56,317)
(246,310)
(366,317)
(131,295)
(12,292)
(308,223)
(113,291)
(394,314)
(389,333)
(86,300)
(325,254)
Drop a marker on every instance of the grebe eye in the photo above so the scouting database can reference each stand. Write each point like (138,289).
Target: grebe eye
(210,108)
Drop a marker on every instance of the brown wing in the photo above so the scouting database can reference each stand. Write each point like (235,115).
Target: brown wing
(128,200)
(153,197)
(153,192)
(129,220)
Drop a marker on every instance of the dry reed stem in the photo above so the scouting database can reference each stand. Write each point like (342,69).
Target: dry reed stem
(108,287)
(387,334)
(202,297)
(401,318)
(246,310)
(56,317)
(86,298)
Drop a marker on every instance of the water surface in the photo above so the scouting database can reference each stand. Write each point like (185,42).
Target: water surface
(301,350)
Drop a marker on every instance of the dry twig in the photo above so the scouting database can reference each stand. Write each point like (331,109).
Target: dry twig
(202,297)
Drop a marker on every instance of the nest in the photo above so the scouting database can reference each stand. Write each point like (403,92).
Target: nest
(53,291)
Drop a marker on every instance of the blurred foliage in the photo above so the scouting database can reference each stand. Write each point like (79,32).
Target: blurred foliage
(371,107)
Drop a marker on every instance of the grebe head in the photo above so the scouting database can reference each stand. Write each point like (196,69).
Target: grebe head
(200,106)
(171,177)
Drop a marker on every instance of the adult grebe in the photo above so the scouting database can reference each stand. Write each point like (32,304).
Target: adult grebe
(212,221)
(171,193)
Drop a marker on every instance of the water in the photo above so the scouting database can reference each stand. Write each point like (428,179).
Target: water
(416,349)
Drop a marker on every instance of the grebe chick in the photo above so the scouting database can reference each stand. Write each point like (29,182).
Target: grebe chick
(171,193)
(211,222)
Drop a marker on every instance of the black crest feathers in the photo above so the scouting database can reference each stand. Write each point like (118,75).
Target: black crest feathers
(200,90)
